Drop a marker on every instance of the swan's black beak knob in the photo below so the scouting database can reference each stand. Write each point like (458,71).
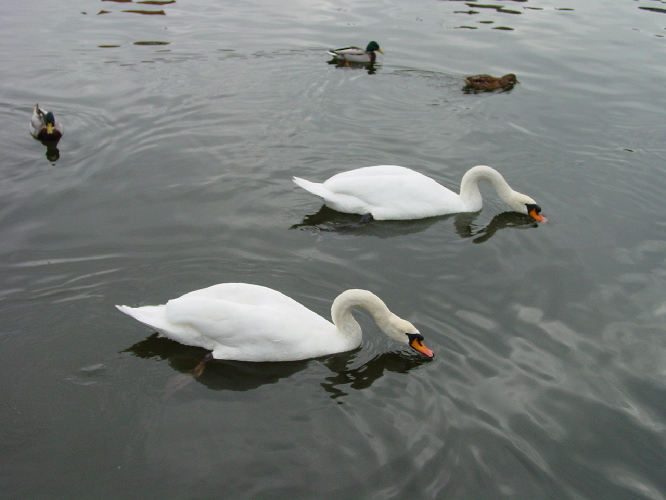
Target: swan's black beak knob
(535,212)
(416,342)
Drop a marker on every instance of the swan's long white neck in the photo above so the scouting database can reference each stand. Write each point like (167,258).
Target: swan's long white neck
(469,186)
(347,300)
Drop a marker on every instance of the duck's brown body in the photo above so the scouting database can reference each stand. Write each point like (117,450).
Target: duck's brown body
(487,82)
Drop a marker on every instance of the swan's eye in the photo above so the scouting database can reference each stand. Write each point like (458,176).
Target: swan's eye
(532,206)
(414,336)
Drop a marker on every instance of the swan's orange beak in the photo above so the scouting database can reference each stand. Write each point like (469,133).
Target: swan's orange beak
(417,344)
(537,216)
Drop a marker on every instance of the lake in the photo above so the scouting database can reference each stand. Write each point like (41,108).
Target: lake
(184,124)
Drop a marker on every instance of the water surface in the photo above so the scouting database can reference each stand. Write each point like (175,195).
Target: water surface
(182,133)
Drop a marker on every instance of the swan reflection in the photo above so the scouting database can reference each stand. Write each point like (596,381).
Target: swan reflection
(466,228)
(244,375)
(364,376)
(218,374)
(329,220)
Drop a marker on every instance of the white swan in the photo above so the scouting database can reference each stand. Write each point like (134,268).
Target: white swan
(239,321)
(391,192)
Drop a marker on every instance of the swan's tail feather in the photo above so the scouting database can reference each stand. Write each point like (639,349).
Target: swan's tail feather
(315,188)
(153,316)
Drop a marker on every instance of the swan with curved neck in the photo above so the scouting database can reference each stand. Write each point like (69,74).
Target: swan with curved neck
(244,322)
(391,192)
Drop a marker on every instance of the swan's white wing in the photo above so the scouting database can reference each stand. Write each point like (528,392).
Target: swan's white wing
(387,192)
(251,323)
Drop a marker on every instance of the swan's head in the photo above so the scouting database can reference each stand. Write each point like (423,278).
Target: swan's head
(403,331)
(525,205)
(415,341)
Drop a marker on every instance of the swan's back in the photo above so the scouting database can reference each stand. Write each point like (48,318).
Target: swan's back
(386,192)
(243,322)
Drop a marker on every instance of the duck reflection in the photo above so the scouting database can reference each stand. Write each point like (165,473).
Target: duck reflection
(52,151)
(368,66)
(197,364)
(329,220)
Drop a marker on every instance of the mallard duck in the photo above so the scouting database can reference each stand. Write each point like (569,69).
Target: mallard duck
(357,54)
(244,322)
(391,192)
(487,82)
(43,125)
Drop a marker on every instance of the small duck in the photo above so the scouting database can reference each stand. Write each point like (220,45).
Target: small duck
(43,125)
(357,54)
(487,82)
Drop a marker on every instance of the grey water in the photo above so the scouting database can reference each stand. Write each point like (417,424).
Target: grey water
(184,124)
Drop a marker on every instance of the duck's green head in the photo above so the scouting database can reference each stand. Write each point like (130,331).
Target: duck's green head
(49,121)
(374,46)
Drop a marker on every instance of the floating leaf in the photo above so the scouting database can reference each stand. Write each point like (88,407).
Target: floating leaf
(151,43)
(654,9)
(498,8)
(484,6)
(148,12)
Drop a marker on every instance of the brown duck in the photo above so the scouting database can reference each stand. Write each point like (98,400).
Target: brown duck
(487,82)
